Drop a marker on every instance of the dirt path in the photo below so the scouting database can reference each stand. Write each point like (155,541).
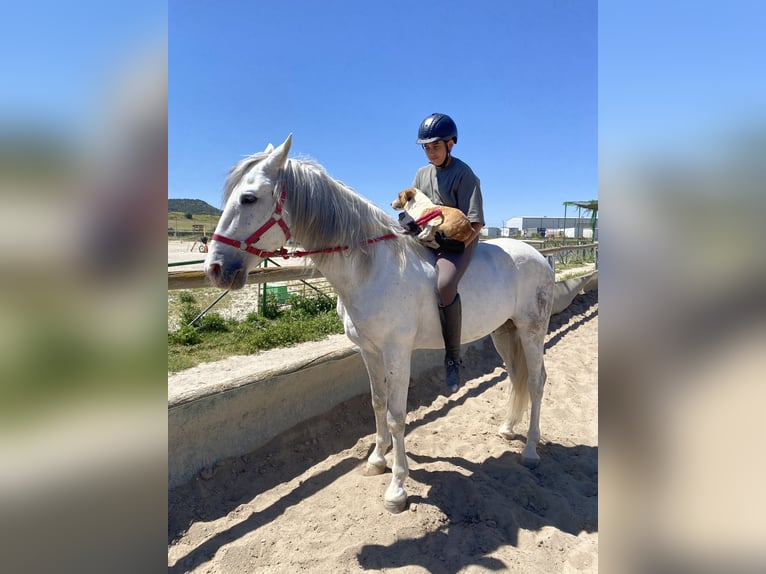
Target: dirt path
(301,503)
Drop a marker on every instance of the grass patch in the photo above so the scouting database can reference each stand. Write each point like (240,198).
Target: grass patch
(213,338)
(178,222)
(570,261)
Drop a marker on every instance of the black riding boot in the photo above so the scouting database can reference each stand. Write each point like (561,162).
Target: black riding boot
(451,319)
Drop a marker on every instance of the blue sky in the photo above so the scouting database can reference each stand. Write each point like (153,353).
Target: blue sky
(57,59)
(353,80)
(678,77)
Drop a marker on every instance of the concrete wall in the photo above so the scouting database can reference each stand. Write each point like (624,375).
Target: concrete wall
(237,415)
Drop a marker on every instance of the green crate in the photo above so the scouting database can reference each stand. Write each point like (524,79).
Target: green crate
(278,291)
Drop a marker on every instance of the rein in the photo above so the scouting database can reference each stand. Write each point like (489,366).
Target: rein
(276,219)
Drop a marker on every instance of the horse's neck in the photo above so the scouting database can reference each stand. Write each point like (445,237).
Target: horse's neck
(359,277)
(347,278)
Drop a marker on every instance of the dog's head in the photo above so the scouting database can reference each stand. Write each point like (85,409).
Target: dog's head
(403,198)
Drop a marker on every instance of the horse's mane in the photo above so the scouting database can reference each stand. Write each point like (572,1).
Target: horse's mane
(326,213)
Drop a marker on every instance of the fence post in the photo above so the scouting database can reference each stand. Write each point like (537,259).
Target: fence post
(552,262)
(263,301)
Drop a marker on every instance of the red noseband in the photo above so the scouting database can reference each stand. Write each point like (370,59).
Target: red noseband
(249,243)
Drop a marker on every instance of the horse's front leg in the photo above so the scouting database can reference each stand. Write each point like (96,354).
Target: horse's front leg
(397,367)
(376,462)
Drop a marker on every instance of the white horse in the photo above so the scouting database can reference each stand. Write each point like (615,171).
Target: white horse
(386,287)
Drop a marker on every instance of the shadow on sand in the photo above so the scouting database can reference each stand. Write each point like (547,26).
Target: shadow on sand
(477,525)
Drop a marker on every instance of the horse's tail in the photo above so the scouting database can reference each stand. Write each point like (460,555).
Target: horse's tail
(509,345)
(519,398)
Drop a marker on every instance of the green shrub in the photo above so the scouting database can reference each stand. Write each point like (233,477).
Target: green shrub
(212,323)
(279,334)
(186,335)
(271,306)
(188,313)
(187,298)
(255,322)
(310,306)
(256,319)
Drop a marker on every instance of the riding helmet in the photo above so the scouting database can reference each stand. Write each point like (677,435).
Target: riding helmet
(437,127)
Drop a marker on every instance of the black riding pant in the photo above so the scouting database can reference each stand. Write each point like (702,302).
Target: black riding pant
(451,267)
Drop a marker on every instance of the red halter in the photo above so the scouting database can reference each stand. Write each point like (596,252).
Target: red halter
(249,243)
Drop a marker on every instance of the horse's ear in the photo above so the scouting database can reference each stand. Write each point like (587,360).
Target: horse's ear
(269,149)
(278,158)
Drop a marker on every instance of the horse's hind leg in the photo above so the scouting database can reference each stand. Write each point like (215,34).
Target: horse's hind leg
(376,462)
(532,338)
(521,348)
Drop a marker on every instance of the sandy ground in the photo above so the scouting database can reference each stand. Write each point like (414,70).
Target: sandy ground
(302,504)
(181,251)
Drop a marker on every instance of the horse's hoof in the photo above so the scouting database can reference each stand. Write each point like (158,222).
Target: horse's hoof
(374,470)
(395,506)
(506,432)
(530,461)
(449,390)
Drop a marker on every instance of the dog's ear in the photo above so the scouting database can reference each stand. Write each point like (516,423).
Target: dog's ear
(409,193)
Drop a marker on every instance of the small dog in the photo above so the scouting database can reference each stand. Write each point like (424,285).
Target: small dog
(452,223)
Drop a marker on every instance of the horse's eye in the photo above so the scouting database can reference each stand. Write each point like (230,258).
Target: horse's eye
(247,198)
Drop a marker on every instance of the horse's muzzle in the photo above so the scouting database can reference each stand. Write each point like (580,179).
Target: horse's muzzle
(231,279)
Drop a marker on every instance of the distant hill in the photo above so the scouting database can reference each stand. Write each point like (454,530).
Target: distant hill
(193,206)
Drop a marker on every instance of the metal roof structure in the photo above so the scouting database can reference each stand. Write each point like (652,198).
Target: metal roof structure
(590,205)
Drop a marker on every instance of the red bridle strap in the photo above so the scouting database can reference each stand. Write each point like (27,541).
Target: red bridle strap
(299,253)
(249,243)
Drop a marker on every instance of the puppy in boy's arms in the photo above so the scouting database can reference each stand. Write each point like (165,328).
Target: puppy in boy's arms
(452,222)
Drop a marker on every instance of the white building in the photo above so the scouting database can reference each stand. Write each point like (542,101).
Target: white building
(540,226)
(490,232)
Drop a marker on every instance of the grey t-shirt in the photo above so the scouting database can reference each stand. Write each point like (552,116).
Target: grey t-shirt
(454,186)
